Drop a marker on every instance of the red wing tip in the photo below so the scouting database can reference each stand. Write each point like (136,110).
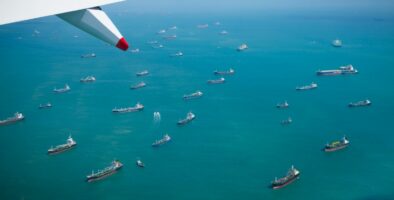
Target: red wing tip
(122,44)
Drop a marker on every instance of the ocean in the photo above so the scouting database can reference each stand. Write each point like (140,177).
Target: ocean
(236,145)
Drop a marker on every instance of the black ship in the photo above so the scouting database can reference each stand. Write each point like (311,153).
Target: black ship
(194,95)
(137,107)
(291,176)
(63,147)
(44,106)
(229,72)
(216,81)
(360,103)
(162,141)
(189,117)
(17,117)
(115,166)
(337,145)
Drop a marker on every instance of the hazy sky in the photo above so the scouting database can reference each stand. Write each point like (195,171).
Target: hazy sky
(201,6)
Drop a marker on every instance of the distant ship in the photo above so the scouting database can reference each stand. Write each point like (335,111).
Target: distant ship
(137,107)
(139,163)
(362,103)
(88,79)
(216,81)
(307,87)
(89,55)
(177,54)
(115,166)
(173,28)
(336,43)
(162,31)
(139,85)
(63,147)
(242,47)
(153,42)
(43,106)
(223,32)
(337,145)
(170,37)
(135,50)
(228,72)
(157,46)
(194,95)
(162,141)
(292,175)
(142,73)
(189,117)
(282,105)
(202,26)
(343,70)
(17,117)
(286,121)
(62,90)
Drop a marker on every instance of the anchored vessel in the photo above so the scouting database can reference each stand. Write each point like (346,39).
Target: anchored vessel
(194,95)
(337,145)
(216,81)
(223,32)
(189,117)
(177,54)
(137,107)
(115,166)
(142,73)
(362,103)
(307,87)
(17,117)
(343,70)
(88,79)
(162,141)
(139,163)
(170,37)
(242,47)
(228,72)
(201,26)
(63,147)
(291,176)
(89,55)
(286,121)
(282,105)
(139,85)
(135,50)
(62,90)
(43,106)
(336,43)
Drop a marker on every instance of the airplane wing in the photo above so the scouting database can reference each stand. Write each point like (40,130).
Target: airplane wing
(84,14)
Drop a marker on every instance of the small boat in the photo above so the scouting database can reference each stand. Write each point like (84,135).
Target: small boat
(70,143)
(139,163)
(44,106)
(62,90)
(162,31)
(162,141)
(337,145)
(189,117)
(89,55)
(17,117)
(286,121)
(242,47)
(142,73)
(177,54)
(292,175)
(139,85)
(307,87)
(202,26)
(153,42)
(88,79)
(173,28)
(348,69)
(137,107)
(282,105)
(216,81)
(221,73)
(336,43)
(362,103)
(170,37)
(217,23)
(135,50)
(194,95)
(113,168)
(157,46)
(223,32)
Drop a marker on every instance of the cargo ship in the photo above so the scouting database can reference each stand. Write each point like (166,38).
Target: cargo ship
(62,90)
(162,141)
(17,117)
(337,145)
(139,85)
(362,103)
(88,79)
(282,105)
(216,81)
(89,55)
(242,47)
(137,107)
(292,175)
(228,72)
(343,70)
(70,143)
(115,166)
(307,87)
(142,73)
(189,117)
(194,95)
(286,121)
(45,106)
(348,69)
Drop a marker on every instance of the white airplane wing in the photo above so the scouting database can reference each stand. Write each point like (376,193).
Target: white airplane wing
(84,14)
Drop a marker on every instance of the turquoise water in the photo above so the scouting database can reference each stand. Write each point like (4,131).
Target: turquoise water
(236,146)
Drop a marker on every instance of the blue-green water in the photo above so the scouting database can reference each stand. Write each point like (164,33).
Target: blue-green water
(236,146)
